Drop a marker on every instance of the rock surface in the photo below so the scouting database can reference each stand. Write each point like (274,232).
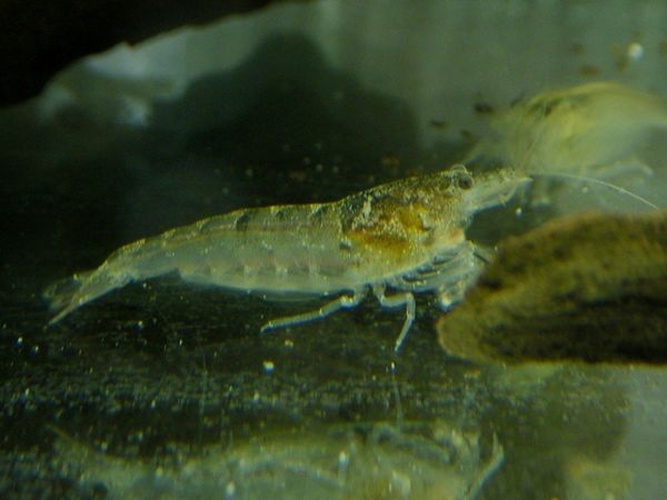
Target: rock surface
(591,288)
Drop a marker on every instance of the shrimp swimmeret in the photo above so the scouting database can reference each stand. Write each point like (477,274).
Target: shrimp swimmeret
(407,235)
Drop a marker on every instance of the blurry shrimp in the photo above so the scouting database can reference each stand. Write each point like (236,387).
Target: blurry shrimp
(418,460)
(583,130)
(407,235)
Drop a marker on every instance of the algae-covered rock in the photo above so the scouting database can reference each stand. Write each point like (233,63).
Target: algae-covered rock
(592,288)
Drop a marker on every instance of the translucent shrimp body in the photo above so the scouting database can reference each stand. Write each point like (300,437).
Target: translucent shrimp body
(576,130)
(407,235)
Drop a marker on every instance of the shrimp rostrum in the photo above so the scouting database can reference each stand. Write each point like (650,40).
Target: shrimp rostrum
(393,240)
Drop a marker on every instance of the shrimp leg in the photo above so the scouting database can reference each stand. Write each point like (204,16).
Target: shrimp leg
(349,301)
(342,302)
(402,299)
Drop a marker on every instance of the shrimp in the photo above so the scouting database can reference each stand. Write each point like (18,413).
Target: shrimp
(417,460)
(407,235)
(590,129)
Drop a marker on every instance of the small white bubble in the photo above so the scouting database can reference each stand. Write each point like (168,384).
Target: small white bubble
(635,51)
(269,366)
(343,459)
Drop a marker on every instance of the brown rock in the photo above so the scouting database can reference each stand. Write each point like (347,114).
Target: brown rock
(591,287)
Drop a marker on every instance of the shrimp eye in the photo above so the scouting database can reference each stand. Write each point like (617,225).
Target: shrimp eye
(465,182)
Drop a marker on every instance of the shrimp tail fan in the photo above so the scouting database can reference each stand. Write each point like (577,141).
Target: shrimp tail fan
(60,295)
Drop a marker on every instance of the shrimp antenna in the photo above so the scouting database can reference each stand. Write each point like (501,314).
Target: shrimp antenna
(599,182)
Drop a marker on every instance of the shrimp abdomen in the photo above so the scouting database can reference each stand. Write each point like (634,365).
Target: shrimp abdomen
(139,260)
(67,295)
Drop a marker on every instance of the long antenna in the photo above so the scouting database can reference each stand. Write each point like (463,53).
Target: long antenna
(599,182)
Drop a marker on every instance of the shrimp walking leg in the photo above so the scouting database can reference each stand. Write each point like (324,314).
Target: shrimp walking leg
(342,302)
(402,299)
(487,471)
